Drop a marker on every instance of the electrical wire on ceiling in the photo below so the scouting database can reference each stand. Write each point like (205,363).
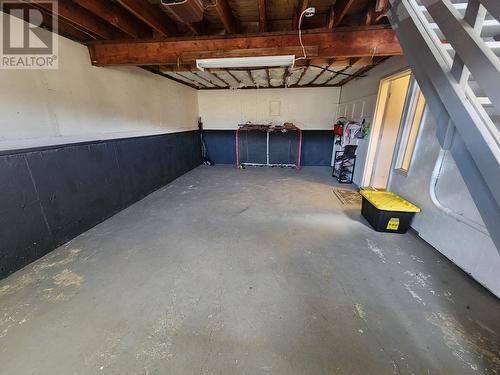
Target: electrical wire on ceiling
(338,71)
(309,12)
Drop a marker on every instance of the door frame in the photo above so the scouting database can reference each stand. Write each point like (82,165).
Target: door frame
(377,126)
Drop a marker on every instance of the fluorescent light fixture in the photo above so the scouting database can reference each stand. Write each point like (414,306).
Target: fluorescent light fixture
(245,62)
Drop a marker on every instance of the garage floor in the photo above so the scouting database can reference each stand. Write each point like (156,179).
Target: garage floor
(259,271)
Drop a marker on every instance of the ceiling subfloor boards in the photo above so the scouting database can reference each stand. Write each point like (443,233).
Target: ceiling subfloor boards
(168,39)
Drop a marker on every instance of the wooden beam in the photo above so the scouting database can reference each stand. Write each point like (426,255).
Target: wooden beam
(81,18)
(382,6)
(376,12)
(234,77)
(226,16)
(197,28)
(151,15)
(250,75)
(262,15)
(341,9)
(216,77)
(336,75)
(324,70)
(207,80)
(369,17)
(179,68)
(330,19)
(286,74)
(63,28)
(222,79)
(301,76)
(192,80)
(356,42)
(116,16)
(157,71)
(300,8)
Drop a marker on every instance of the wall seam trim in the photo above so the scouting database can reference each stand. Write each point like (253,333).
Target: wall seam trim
(42,209)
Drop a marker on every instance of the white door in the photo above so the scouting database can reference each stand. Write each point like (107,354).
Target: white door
(391,121)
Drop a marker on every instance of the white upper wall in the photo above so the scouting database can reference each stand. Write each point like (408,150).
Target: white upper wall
(358,101)
(80,102)
(308,108)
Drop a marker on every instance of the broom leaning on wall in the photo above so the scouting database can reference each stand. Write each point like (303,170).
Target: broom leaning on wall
(204,151)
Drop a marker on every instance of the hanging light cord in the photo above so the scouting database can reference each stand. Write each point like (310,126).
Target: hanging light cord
(304,54)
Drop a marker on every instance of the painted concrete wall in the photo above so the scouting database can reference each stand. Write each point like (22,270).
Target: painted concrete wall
(308,108)
(469,249)
(358,101)
(79,102)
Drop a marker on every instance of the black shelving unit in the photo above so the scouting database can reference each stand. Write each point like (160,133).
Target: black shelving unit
(344,164)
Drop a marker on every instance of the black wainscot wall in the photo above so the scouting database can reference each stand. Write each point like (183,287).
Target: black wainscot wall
(50,195)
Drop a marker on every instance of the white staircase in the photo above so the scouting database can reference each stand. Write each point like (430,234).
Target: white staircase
(453,48)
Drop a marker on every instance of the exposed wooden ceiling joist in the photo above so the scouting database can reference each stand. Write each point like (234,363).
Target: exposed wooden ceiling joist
(221,79)
(156,70)
(128,25)
(261,4)
(151,15)
(368,41)
(197,28)
(116,16)
(233,77)
(362,71)
(302,75)
(226,16)
(86,21)
(381,6)
(303,4)
(64,28)
(208,79)
(330,18)
(340,10)
(250,75)
(336,75)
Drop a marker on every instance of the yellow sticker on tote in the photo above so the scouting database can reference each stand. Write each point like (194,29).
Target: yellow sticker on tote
(393,224)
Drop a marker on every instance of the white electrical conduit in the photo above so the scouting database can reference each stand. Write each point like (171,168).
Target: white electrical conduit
(448,211)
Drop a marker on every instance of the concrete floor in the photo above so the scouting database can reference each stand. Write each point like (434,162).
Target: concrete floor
(259,271)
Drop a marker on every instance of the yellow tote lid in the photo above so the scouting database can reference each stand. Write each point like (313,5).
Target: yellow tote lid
(387,201)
